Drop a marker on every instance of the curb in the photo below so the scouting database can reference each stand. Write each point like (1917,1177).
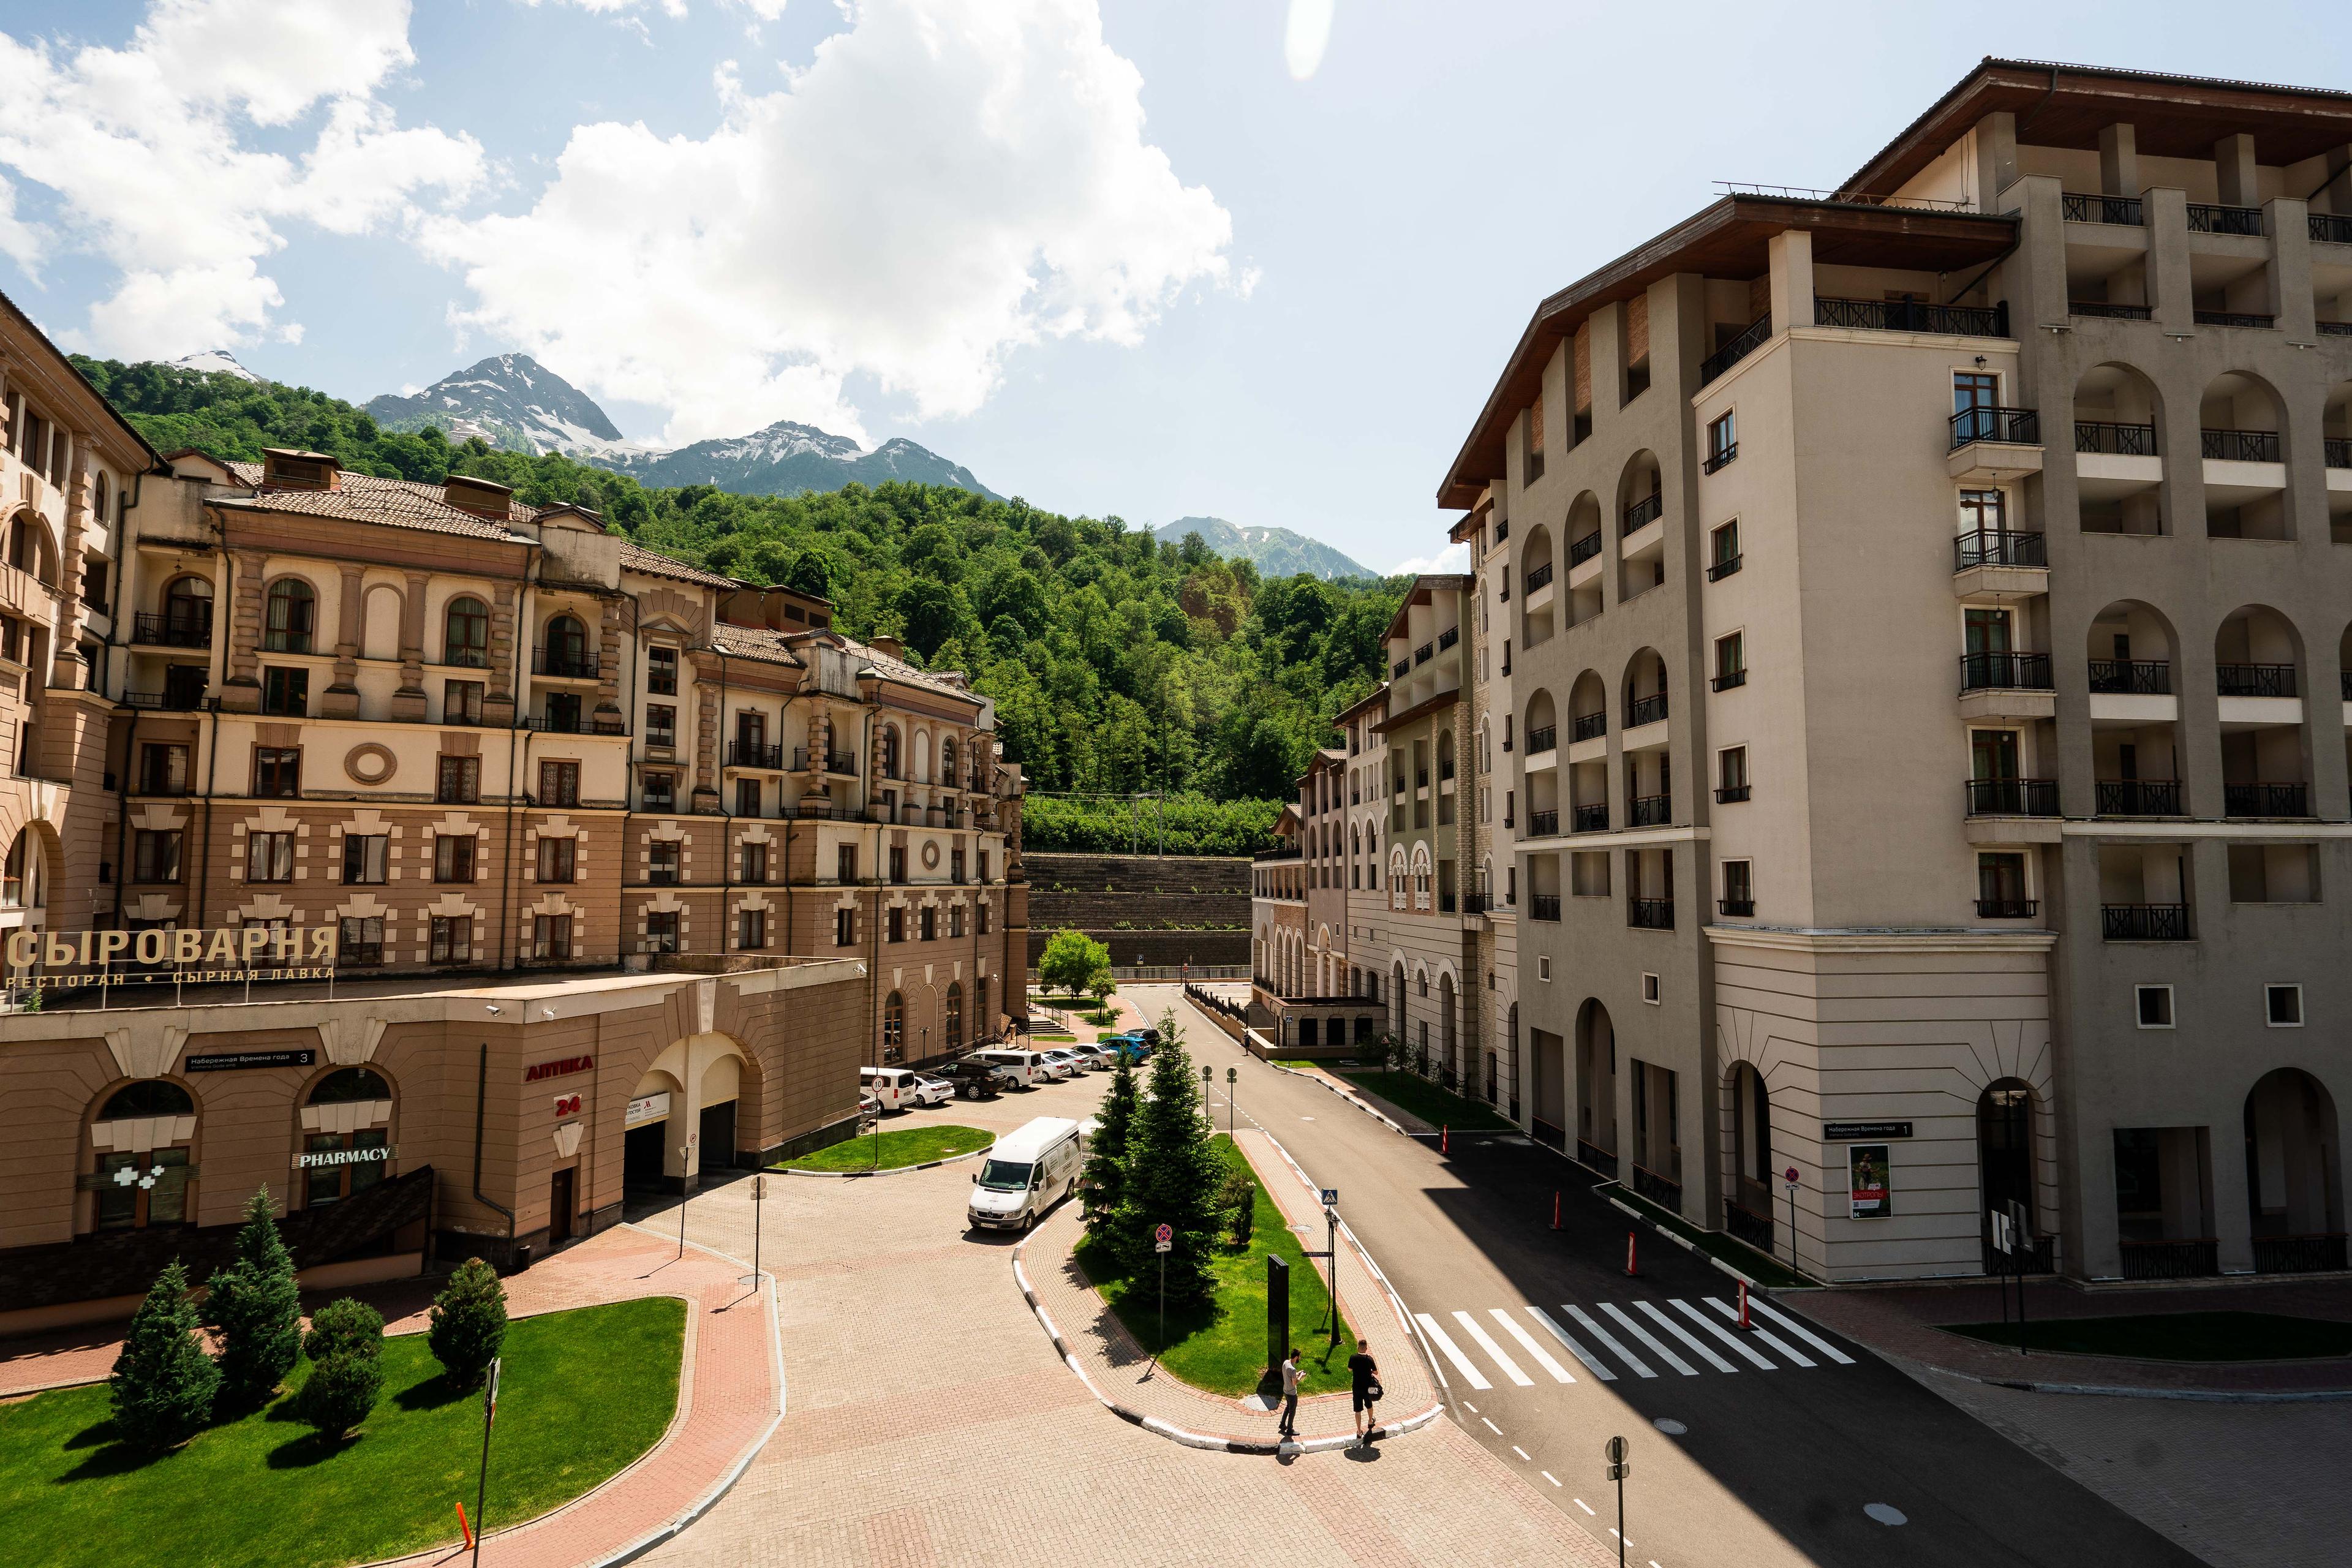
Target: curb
(893,1171)
(2199,1395)
(1687,1245)
(1320,1082)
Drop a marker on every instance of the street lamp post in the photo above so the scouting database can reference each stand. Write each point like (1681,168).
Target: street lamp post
(1233,1077)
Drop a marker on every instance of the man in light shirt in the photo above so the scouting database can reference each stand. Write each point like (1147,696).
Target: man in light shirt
(1290,1393)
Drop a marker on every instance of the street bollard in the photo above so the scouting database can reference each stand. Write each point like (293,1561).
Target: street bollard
(1631,1272)
(1555,1208)
(1744,1321)
(1443,1142)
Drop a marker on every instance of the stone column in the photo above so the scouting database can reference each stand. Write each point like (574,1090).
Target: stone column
(499,693)
(608,666)
(408,702)
(241,625)
(66,668)
(342,698)
(706,737)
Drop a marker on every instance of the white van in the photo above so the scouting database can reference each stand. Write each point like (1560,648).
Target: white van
(1029,1067)
(1027,1172)
(893,1089)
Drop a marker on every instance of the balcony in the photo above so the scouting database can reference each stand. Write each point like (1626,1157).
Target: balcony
(1588,727)
(563,664)
(2123,211)
(2321,1253)
(2012,798)
(1913,316)
(1539,576)
(2144,923)
(2234,318)
(2208,217)
(2138,797)
(1642,513)
(2131,678)
(1720,570)
(2092,436)
(1731,795)
(2005,673)
(2007,908)
(1995,445)
(2008,426)
(2265,800)
(1543,906)
(1544,739)
(2195,1259)
(1448,638)
(1645,711)
(1424,653)
(2102,310)
(1589,819)
(2331,228)
(753,755)
(2336,451)
(1583,550)
(172,631)
(1999,562)
(1476,904)
(1738,906)
(1728,679)
(2240,445)
(1445,903)
(1650,914)
(1652,810)
(1756,334)
(577,724)
(2255,679)
(165,702)
(1543,823)
(1721,457)
(1400,670)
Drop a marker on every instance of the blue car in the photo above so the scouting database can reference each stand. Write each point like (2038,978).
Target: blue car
(1132,1049)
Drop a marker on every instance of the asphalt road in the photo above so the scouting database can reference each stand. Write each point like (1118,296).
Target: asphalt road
(1793,1464)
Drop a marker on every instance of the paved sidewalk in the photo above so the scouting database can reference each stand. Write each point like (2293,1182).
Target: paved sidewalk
(1120,1369)
(1901,1323)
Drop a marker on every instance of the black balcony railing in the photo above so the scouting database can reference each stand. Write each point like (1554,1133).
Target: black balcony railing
(1743,1225)
(1665,1192)
(1420,778)
(2331,228)
(1752,338)
(2321,1254)
(1448,638)
(1740,907)
(168,630)
(2005,673)
(2139,798)
(2012,798)
(167,701)
(2131,677)
(1543,823)
(2144,923)
(2006,908)
(753,755)
(2107,311)
(1583,550)
(2336,451)
(2333,329)
(2255,679)
(2193,1259)
(1650,914)
(1588,726)
(1445,903)
(1998,547)
(1476,904)
(2234,318)
(2209,218)
(1543,737)
(2123,210)
(2240,445)
(1723,568)
(2115,440)
(2265,800)
(1644,512)
(1424,653)
(1651,810)
(1730,795)
(1645,711)
(1913,316)
(2012,426)
(1539,575)
(577,724)
(1543,906)
(1721,457)
(564,663)
(1400,668)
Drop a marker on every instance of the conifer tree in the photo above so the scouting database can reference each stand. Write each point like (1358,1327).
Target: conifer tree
(1171,1178)
(1105,1171)
(258,1308)
(346,1347)
(163,1384)
(469,1323)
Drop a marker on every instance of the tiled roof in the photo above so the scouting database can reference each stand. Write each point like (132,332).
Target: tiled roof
(751,641)
(651,564)
(904,674)
(393,504)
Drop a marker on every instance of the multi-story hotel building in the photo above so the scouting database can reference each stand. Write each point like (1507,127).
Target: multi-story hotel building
(1931,606)
(275,722)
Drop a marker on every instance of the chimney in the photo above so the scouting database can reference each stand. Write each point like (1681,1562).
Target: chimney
(888,646)
(479,498)
(289,469)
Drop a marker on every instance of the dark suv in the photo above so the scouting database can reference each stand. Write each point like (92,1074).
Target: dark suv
(976,1080)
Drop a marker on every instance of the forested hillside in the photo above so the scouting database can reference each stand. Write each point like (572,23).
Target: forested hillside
(1119,662)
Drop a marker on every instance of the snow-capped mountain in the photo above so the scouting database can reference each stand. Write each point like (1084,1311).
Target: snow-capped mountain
(1276,552)
(217,361)
(509,400)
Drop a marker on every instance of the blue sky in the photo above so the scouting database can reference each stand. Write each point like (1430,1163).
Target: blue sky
(1157,257)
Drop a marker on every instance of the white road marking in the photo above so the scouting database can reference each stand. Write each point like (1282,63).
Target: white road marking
(1591,1362)
(1683,1334)
(1802,1333)
(1586,1506)
(1657,1346)
(1598,1332)
(1522,1453)
(1486,1343)
(1726,1311)
(1628,1540)
(1470,1408)
(1549,1477)
(1543,1357)
(1497,1431)
(1726,1335)
(1452,1353)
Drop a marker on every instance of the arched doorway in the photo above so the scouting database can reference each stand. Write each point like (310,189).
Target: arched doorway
(2295,1174)
(645,1164)
(2005,1173)
(1447,1042)
(1596,1086)
(1397,1002)
(1747,1197)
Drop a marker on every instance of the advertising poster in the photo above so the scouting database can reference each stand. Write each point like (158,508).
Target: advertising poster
(1866,1164)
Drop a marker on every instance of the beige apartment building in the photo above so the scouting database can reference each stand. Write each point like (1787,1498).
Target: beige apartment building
(1932,604)
(467,777)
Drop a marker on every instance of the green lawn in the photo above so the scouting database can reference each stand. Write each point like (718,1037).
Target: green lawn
(900,1146)
(2178,1336)
(584,1394)
(1417,1096)
(1764,1270)
(1223,1348)
(1102,1020)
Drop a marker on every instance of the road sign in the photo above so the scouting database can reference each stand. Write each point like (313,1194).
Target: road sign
(1164,1246)
(1789,1176)
(1330,1196)
(1164,1233)
(2000,1233)
(1616,1450)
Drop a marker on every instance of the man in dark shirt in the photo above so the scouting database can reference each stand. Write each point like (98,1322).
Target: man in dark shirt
(1364,1374)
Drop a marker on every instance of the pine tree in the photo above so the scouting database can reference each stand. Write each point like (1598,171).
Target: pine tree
(1105,1172)
(346,1347)
(1173,1176)
(469,1323)
(256,1305)
(163,1384)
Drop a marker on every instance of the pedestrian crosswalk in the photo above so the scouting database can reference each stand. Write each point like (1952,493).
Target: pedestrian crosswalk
(1641,1338)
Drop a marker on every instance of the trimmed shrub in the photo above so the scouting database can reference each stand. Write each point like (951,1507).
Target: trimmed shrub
(163,1384)
(469,1323)
(346,1347)
(1237,1195)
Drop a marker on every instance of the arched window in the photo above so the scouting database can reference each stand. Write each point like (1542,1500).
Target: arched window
(889,753)
(466,634)
(351,1085)
(12,882)
(948,761)
(954,1019)
(188,611)
(567,647)
(340,1157)
(142,1186)
(894,1028)
(292,616)
(149,1098)
(99,499)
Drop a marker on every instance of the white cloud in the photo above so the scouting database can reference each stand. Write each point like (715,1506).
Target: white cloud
(1454,558)
(944,183)
(148,151)
(1305,34)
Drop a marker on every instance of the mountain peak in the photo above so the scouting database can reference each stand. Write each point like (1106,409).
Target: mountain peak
(509,400)
(217,361)
(1276,552)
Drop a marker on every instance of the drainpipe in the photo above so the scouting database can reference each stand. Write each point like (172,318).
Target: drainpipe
(481,1097)
(520,691)
(727,846)
(212,750)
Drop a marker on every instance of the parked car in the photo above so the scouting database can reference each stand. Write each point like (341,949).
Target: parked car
(1028,1171)
(894,1088)
(977,1080)
(1028,1069)
(1060,1062)
(935,1091)
(868,1107)
(1134,1049)
(1090,1058)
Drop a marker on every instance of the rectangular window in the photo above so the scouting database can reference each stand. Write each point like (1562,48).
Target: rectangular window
(981,915)
(551,936)
(2000,887)
(367,858)
(1730,660)
(270,857)
(1723,550)
(845,928)
(285,692)
(747,798)
(452,938)
(661,931)
(277,771)
(458,780)
(955,865)
(955,920)
(752,930)
(984,865)
(2154,1004)
(162,769)
(461,702)
(1739,887)
(2282,1007)
(661,671)
(894,924)
(928,923)
(662,857)
(661,792)
(559,784)
(661,725)
(452,857)
(898,864)
(1722,440)
(362,942)
(755,863)
(1534,441)
(844,863)
(1982,512)
(155,854)
(558,859)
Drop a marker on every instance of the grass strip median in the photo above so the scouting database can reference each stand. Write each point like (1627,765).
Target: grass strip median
(1221,1348)
(2177,1336)
(894,1150)
(584,1394)
(1764,1270)
(1417,1096)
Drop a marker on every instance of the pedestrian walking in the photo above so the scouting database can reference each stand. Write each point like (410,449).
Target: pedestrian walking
(1364,1374)
(1290,1393)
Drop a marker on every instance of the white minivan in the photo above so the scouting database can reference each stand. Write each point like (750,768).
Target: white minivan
(1028,1171)
(893,1089)
(1029,1067)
